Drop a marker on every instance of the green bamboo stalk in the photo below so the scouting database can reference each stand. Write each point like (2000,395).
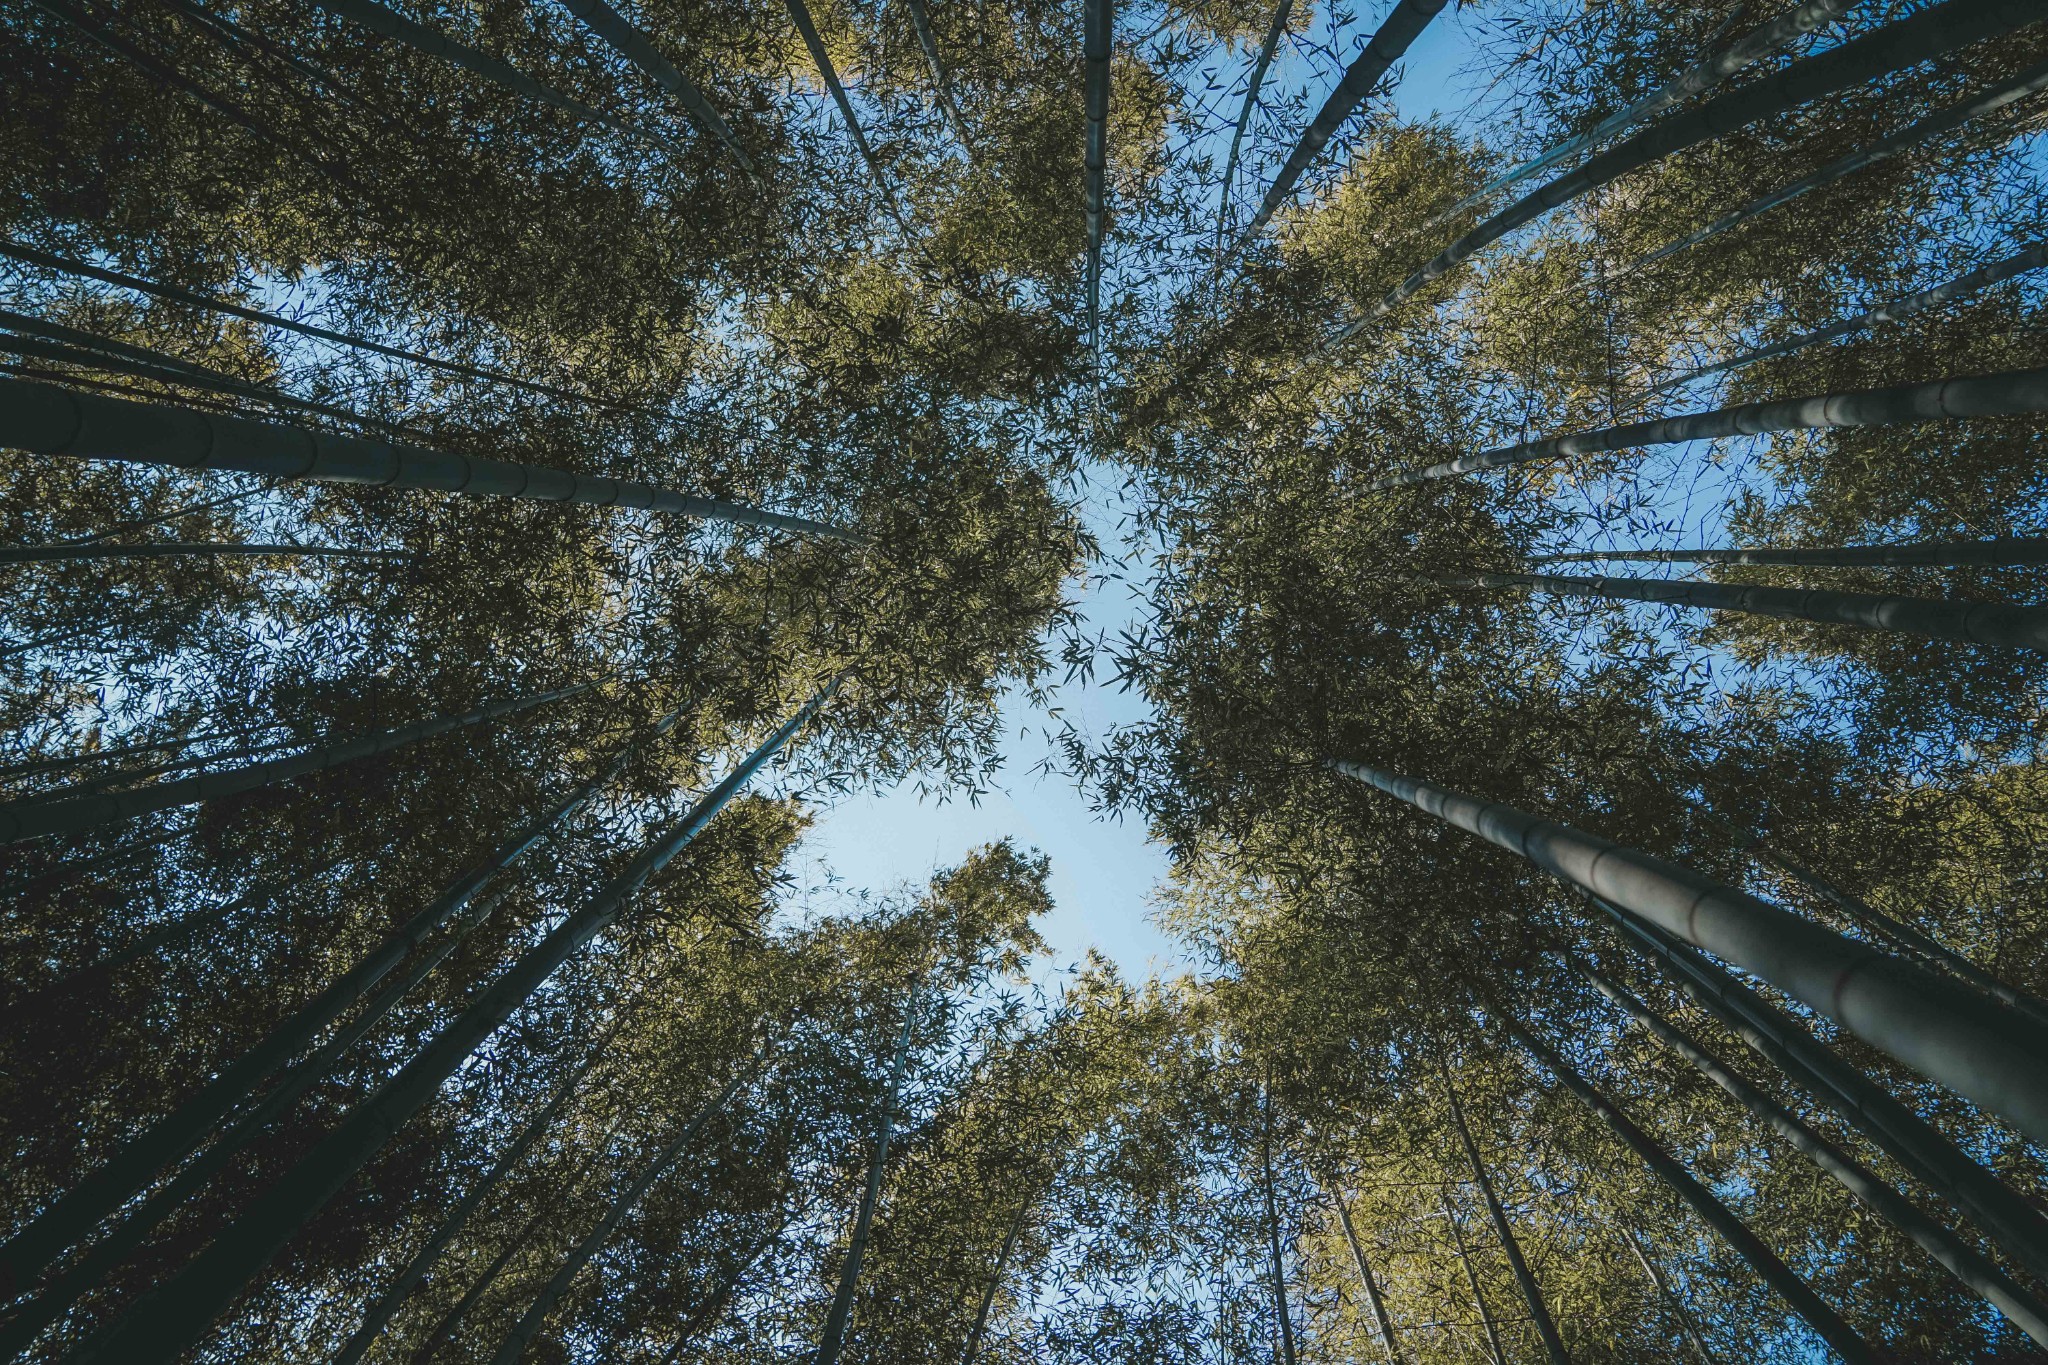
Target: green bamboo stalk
(43,765)
(70,1219)
(921,20)
(178,1311)
(1381,1320)
(60,813)
(205,549)
(1500,1355)
(1753,46)
(395,26)
(800,15)
(1274,33)
(1895,1129)
(1983,623)
(529,1325)
(638,48)
(1669,1297)
(28,255)
(1925,1021)
(1281,1316)
(840,1315)
(1983,277)
(53,421)
(995,1280)
(1794,1290)
(1921,36)
(715,1303)
(1983,395)
(2007,91)
(1926,553)
(1959,1259)
(1388,45)
(1525,1279)
(1097,33)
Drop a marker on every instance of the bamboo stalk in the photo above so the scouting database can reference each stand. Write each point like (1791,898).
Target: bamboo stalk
(638,48)
(1944,554)
(1525,1279)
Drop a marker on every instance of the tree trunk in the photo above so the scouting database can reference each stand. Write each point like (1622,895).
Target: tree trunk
(921,20)
(1948,120)
(395,26)
(60,813)
(995,1281)
(1282,1318)
(1795,1291)
(1981,623)
(401,1288)
(1899,1132)
(1402,27)
(840,1315)
(1274,33)
(1670,1299)
(29,255)
(1983,277)
(1984,395)
(45,554)
(1381,1320)
(529,1324)
(53,421)
(1959,1259)
(1934,554)
(1751,47)
(1097,25)
(1922,36)
(177,1312)
(638,48)
(1929,1023)
(1553,1344)
(1500,1355)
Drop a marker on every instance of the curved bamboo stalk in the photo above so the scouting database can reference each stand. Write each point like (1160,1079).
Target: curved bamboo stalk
(1525,1279)
(1393,39)
(395,26)
(1964,1262)
(529,1324)
(1896,1130)
(178,1311)
(1925,553)
(214,549)
(29,255)
(921,20)
(800,15)
(1983,623)
(1274,33)
(52,421)
(833,1339)
(1097,25)
(1982,395)
(70,1219)
(638,48)
(1753,46)
(60,813)
(2007,91)
(394,1296)
(1983,277)
(1795,1291)
(1922,36)
(1927,1022)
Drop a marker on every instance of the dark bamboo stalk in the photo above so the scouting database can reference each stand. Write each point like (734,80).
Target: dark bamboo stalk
(840,1315)
(1927,1022)
(1388,45)
(995,1280)
(1281,1316)
(1274,33)
(1525,1279)
(1922,36)
(1097,25)
(52,421)
(1500,1355)
(202,549)
(1919,1148)
(800,15)
(638,48)
(942,83)
(178,1312)
(1984,395)
(1795,1291)
(1981,623)
(1381,1320)
(1933,554)
(1996,97)
(60,813)
(1954,1255)
(1669,1297)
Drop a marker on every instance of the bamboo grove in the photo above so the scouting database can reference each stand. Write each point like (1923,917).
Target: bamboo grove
(477,481)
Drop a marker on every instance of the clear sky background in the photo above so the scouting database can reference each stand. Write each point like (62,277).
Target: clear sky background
(1103,870)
